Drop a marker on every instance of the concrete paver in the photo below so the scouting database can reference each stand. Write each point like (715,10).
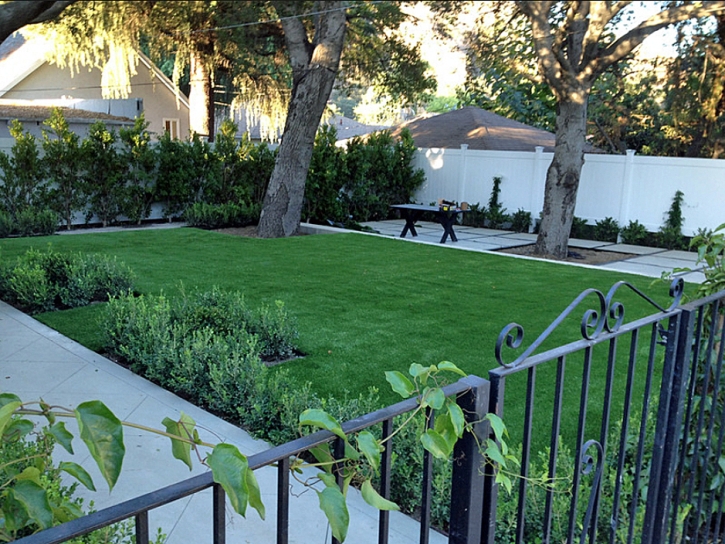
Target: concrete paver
(644,261)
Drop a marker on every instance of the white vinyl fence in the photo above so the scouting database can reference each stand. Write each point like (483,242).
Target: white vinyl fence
(624,187)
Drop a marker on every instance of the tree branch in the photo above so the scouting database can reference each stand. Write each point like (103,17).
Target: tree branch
(629,41)
(15,15)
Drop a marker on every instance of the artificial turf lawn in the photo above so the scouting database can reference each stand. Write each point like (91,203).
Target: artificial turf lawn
(363,304)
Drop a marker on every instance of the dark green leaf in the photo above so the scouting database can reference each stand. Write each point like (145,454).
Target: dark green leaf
(102,432)
(79,473)
(332,503)
(62,436)
(35,501)
(319,418)
(18,428)
(373,498)
(229,468)
(445,429)
(400,384)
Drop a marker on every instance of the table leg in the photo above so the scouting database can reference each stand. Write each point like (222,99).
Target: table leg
(447,220)
(410,218)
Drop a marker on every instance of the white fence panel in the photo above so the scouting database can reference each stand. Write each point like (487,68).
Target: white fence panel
(624,187)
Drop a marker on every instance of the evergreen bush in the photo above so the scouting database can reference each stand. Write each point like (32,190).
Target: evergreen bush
(606,230)
(635,233)
(670,235)
(41,281)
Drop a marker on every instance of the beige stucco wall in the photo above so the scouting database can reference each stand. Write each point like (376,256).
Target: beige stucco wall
(159,102)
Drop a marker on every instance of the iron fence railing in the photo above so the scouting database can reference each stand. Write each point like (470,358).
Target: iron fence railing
(471,395)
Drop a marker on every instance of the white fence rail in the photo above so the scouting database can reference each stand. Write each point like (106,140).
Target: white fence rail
(624,187)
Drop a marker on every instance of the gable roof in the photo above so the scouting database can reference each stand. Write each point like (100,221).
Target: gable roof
(480,129)
(19,58)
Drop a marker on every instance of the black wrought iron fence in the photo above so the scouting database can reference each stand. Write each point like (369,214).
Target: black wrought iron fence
(471,393)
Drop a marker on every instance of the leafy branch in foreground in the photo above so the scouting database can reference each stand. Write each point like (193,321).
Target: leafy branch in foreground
(24,503)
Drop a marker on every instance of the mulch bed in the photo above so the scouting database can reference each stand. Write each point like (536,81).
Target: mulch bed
(576,255)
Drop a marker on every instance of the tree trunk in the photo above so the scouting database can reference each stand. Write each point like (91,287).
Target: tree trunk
(201,103)
(562,178)
(314,67)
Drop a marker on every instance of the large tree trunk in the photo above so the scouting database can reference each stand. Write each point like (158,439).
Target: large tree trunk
(562,178)
(201,102)
(315,67)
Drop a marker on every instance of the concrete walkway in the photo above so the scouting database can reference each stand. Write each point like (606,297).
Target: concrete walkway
(645,261)
(38,362)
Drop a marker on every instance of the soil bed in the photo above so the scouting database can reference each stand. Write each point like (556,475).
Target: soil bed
(576,255)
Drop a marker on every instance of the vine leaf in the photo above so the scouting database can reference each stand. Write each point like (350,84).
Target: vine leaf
(324,456)
(6,398)
(370,448)
(374,499)
(35,501)
(447,365)
(436,444)
(400,384)
(78,472)
(458,419)
(229,467)
(332,503)
(421,372)
(181,449)
(62,436)
(6,413)
(498,426)
(255,496)
(102,432)
(319,418)
(433,397)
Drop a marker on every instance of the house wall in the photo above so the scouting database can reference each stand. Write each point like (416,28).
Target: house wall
(625,187)
(159,102)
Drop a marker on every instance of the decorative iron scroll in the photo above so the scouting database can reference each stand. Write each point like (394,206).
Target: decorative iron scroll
(587,464)
(608,317)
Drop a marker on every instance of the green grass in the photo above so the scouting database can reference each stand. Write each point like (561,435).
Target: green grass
(364,304)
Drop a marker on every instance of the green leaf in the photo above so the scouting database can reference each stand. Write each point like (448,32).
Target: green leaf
(433,397)
(421,372)
(35,501)
(79,473)
(102,432)
(436,444)
(458,419)
(30,473)
(6,398)
(18,428)
(6,412)
(370,448)
(229,467)
(332,503)
(444,427)
(447,365)
(62,436)
(255,496)
(374,499)
(183,428)
(324,456)
(400,384)
(494,453)
(319,418)
(498,426)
